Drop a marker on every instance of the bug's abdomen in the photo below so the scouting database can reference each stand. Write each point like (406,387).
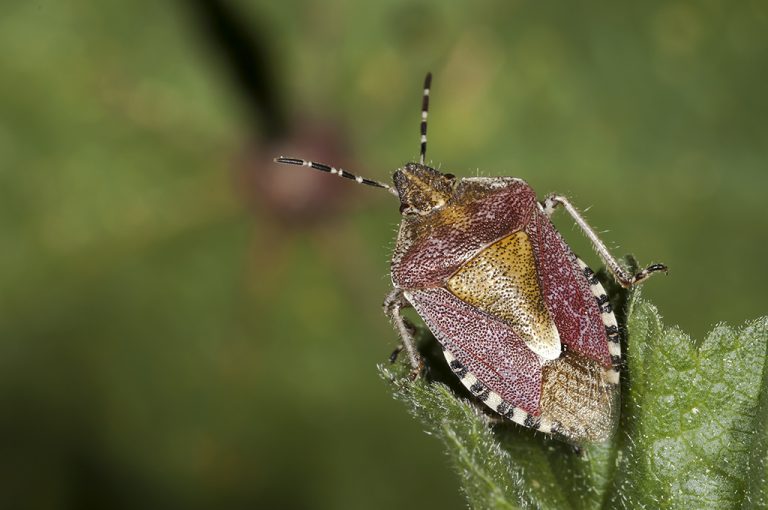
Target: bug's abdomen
(572,396)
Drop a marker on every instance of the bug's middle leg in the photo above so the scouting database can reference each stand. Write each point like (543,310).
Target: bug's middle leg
(393,304)
(625,278)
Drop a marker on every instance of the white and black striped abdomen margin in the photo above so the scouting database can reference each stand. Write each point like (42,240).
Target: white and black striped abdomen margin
(609,321)
(493,399)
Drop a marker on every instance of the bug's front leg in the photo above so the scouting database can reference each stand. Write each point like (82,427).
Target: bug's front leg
(393,304)
(622,276)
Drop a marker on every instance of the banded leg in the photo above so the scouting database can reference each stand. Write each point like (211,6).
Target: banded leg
(393,304)
(622,276)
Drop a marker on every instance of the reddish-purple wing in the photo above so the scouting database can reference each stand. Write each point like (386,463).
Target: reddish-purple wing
(567,292)
(487,347)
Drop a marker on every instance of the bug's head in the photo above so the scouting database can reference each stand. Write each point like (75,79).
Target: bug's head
(422,188)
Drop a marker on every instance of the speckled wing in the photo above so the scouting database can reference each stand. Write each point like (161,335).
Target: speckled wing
(502,281)
(569,295)
(487,347)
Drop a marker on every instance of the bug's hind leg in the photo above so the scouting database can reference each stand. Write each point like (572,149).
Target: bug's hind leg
(622,276)
(393,304)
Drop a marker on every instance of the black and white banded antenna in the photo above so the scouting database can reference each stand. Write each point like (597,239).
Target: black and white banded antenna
(424,113)
(335,171)
(362,180)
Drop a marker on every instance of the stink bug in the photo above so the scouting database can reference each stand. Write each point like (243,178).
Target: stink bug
(523,322)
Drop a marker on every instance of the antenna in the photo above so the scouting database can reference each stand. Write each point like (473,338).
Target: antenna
(337,171)
(362,180)
(424,112)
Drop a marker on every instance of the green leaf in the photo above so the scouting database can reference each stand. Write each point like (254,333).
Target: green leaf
(693,431)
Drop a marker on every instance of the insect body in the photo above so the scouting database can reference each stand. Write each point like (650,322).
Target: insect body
(523,322)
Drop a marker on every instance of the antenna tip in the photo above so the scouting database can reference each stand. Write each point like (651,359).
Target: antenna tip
(427,80)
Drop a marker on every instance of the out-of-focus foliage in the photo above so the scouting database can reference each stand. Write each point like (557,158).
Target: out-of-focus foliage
(168,339)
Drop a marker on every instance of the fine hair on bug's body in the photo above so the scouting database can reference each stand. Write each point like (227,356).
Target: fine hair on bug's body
(523,322)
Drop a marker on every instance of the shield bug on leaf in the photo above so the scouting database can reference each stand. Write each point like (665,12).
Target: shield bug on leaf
(523,322)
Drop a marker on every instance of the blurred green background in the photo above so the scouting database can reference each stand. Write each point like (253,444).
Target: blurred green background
(185,325)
